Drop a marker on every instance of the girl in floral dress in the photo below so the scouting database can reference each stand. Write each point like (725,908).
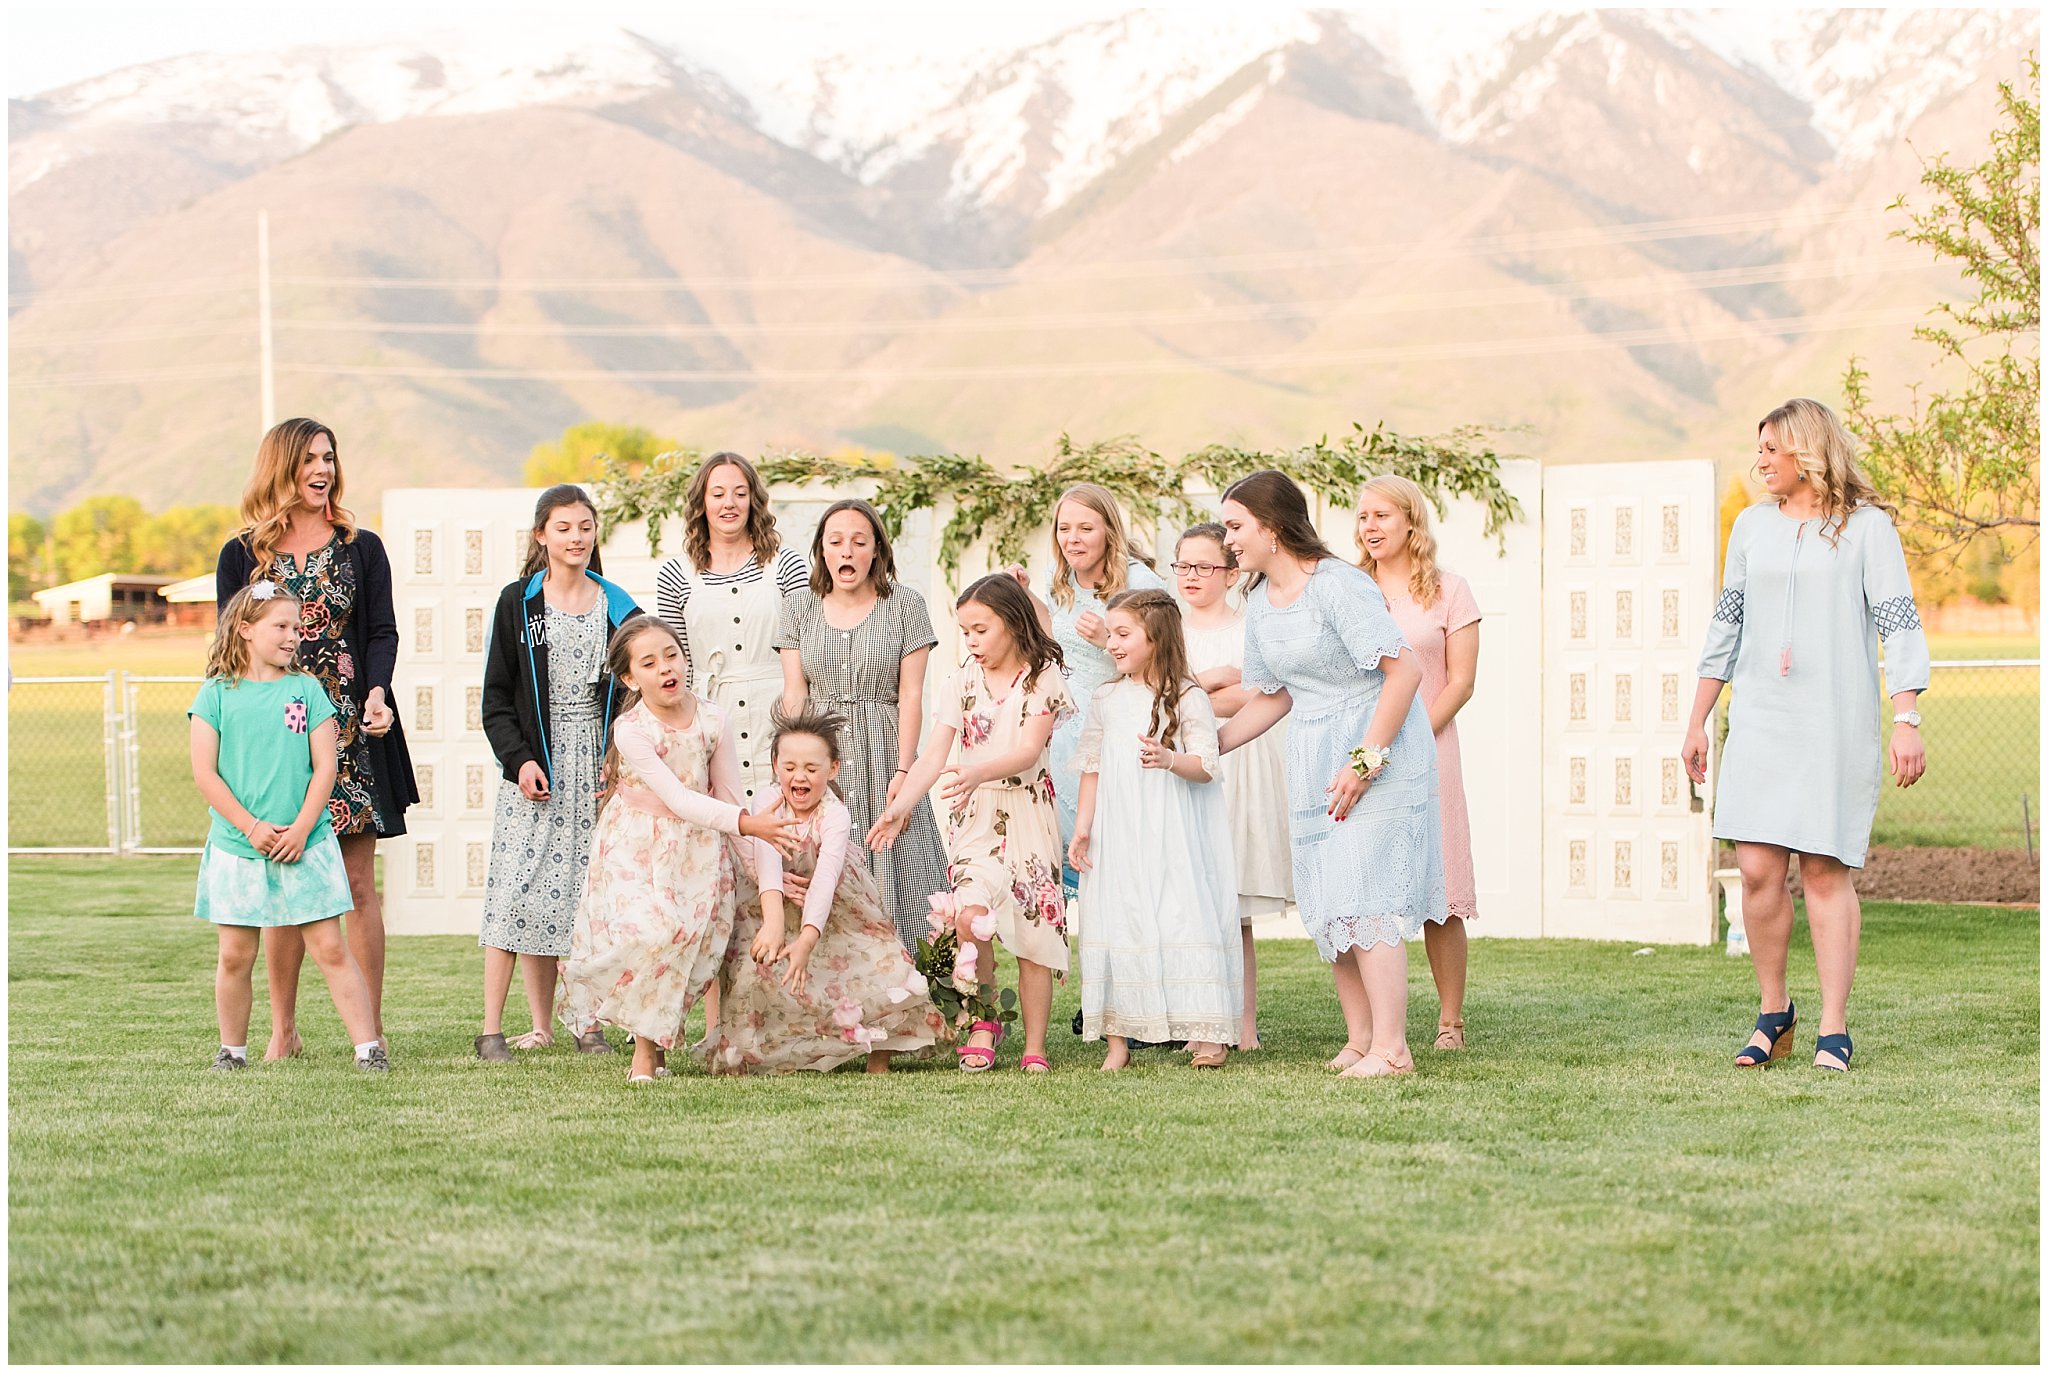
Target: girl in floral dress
(1002,828)
(657,905)
(849,990)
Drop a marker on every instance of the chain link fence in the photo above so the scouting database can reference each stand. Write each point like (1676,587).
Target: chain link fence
(103,764)
(1981,721)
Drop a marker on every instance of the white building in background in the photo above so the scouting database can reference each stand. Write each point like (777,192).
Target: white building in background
(109,596)
(1582,824)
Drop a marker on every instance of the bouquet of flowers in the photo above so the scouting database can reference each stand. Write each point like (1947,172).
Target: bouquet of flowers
(948,960)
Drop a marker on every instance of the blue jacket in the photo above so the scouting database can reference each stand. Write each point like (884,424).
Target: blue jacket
(515,712)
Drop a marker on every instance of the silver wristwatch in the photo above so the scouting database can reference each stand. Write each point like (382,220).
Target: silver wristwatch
(1907,717)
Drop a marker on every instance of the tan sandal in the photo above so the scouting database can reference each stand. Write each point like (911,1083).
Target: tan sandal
(1217,1059)
(1450,1035)
(1341,1064)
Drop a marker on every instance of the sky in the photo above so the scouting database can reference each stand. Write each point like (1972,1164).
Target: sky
(51,45)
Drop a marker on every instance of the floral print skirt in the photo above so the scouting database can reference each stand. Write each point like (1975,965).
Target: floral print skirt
(1006,856)
(653,924)
(864,996)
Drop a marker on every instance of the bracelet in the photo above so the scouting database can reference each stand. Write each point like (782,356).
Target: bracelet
(901,772)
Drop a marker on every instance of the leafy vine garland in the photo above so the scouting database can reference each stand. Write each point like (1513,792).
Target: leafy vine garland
(1005,508)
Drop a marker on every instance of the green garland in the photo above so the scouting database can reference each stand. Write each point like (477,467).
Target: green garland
(1005,508)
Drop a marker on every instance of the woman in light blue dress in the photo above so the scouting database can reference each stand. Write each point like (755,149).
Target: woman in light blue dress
(1092,561)
(1814,580)
(1321,648)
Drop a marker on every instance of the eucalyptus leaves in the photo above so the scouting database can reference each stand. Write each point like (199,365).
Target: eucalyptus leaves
(1006,507)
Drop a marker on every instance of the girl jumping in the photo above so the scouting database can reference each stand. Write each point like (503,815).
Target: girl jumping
(657,906)
(848,989)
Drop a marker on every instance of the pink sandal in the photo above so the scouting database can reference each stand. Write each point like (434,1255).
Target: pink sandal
(974,1058)
(1034,1063)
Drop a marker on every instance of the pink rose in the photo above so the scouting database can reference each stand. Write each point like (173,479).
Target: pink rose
(984,925)
(943,906)
(963,967)
(846,1015)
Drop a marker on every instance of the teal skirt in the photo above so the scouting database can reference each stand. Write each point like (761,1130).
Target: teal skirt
(254,891)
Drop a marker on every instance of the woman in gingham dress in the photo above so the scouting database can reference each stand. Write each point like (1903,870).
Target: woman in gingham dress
(855,642)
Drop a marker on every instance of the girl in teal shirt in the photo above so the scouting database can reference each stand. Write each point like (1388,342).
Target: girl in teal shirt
(263,755)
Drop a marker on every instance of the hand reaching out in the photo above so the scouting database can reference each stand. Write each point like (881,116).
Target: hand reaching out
(966,778)
(1077,853)
(779,830)
(797,980)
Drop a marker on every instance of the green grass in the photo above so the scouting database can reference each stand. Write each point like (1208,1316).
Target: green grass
(1590,1181)
(1982,732)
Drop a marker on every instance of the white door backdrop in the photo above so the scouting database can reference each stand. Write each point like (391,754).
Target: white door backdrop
(1526,757)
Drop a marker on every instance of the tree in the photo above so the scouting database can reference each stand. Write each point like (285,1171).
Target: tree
(27,568)
(579,455)
(97,535)
(183,541)
(1966,464)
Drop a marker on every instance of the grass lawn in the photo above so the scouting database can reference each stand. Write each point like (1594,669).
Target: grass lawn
(1590,1181)
(1983,732)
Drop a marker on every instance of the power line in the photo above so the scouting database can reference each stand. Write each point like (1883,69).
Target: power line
(1623,338)
(1628,338)
(1130,269)
(1669,283)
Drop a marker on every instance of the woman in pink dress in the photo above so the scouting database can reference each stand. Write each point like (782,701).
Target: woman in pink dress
(1440,620)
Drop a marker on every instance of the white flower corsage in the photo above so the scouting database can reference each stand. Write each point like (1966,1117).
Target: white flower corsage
(262,591)
(1367,760)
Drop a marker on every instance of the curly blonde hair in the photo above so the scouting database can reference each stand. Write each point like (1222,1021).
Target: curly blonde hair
(1815,438)
(1425,580)
(273,490)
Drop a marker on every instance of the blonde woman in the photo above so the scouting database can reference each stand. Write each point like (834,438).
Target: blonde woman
(1440,620)
(1092,561)
(297,533)
(1814,580)
(725,595)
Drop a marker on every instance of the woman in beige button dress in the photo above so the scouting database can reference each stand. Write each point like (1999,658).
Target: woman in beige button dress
(724,594)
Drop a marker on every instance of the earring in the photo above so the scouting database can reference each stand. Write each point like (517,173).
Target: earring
(1276,547)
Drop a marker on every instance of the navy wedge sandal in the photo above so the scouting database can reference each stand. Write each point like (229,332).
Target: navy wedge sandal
(1778,1025)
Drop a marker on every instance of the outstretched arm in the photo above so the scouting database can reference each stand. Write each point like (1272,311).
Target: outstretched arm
(1253,718)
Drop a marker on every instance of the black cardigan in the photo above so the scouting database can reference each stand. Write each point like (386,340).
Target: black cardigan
(516,674)
(372,639)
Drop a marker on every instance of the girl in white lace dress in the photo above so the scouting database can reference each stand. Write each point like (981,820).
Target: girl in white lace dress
(1159,927)
(1361,762)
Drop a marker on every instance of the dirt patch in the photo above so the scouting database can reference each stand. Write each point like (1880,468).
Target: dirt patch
(1931,874)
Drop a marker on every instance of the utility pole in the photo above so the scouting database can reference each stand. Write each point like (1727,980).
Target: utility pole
(263,317)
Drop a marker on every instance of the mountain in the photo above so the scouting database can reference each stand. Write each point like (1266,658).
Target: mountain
(1624,232)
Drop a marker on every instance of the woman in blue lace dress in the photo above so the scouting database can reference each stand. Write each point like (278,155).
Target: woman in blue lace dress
(1321,648)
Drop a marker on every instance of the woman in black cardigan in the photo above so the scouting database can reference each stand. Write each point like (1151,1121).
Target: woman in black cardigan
(295,531)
